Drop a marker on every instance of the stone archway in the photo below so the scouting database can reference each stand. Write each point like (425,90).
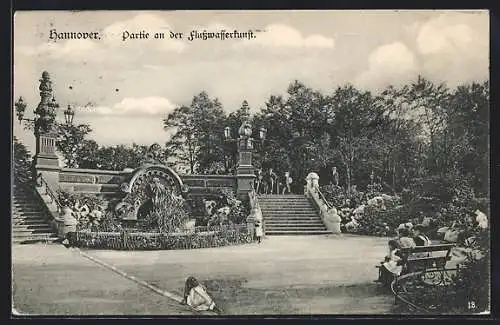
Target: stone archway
(138,189)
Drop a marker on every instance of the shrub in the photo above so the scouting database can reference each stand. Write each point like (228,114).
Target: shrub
(83,206)
(473,277)
(228,208)
(168,212)
(222,236)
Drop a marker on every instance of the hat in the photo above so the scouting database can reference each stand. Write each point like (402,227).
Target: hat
(420,227)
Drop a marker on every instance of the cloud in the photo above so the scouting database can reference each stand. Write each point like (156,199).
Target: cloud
(455,45)
(388,63)
(147,23)
(137,106)
(69,50)
(279,35)
(111,45)
(450,32)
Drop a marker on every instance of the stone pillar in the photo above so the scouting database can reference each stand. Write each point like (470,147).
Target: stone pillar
(45,161)
(245,172)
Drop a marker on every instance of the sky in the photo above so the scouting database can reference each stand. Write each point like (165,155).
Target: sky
(124,89)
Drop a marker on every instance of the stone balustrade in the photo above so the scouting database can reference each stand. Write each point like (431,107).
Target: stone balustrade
(328,214)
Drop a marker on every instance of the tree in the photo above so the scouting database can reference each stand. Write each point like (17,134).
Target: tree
(86,156)
(402,142)
(427,102)
(70,142)
(197,138)
(120,157)
(356,120)
(22,162)
(466,141)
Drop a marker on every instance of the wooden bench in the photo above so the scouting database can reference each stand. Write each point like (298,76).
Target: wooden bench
(413,261)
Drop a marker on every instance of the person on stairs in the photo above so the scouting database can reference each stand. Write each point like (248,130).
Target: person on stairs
(287,183)
(271,180)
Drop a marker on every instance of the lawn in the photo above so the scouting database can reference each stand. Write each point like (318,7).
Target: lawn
(331,274)
(283,275)
(52,280)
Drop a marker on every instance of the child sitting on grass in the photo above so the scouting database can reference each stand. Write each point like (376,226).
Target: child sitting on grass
(196,296)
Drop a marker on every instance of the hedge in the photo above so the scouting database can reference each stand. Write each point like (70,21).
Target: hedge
(201,238)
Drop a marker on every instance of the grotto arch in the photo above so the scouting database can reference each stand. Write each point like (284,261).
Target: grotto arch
(138,189)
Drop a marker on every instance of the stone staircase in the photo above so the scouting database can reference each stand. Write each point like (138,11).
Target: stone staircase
(29,223)
(290,214)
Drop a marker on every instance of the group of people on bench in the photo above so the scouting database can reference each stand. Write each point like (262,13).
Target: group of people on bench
(408,237)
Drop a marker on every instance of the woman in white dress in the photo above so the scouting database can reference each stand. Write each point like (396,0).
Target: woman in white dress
(391,267)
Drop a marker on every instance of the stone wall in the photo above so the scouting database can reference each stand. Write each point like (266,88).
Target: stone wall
(106,183)
(91,181)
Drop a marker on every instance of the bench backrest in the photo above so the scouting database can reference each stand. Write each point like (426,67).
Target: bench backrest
(430,248)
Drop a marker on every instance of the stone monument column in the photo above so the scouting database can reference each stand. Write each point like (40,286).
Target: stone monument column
(45,161)
(245,172)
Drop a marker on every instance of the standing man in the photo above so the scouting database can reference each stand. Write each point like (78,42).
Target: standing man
(335,176)
(271,179)
(288,183)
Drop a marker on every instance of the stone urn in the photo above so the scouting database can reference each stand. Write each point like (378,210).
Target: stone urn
(334,220)
(312,181)
(69,221)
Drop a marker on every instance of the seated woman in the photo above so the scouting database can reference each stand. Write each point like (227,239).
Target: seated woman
(405,241)
(391,267)
(419,236)
(421,239)
(196,296)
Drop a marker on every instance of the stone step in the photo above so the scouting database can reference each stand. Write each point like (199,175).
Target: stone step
(297,232)
(268,199)
(288,211)
(29,210)
(22,216)
(29,223)
(286,230)
(294,226)
(302,199)
(281,196)
(33,225)
(284,206)
(293,222)
(19,231)
(22,199)
(28,215)
(292,217)
(294,213)
(26,206)
(34,239)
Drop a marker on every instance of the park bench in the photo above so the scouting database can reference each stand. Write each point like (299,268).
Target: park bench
(438,255)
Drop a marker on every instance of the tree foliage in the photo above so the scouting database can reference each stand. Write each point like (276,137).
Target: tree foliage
(22,162)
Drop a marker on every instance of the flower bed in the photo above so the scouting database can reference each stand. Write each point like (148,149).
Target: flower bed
(200,238)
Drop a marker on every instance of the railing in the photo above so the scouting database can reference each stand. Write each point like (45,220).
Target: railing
(322,197)
(426,291)
(41,182)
